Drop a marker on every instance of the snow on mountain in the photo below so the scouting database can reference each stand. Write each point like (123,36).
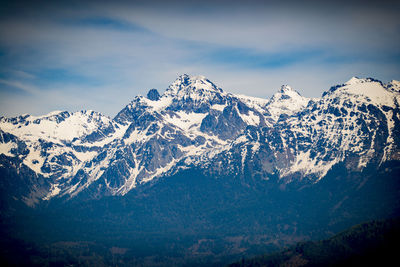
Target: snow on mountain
(356,123)
(367,90)
(196,123)
(54,141)
(57,126)
(194,87)
(394,86)
(287,101)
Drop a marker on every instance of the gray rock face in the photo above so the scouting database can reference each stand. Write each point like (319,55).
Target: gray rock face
(153,95)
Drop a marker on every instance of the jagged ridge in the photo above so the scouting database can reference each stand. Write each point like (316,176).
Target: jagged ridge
(196,123)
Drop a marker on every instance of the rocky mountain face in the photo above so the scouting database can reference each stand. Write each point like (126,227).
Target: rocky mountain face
(195,124)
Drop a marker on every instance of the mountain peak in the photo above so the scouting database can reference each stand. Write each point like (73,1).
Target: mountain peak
(286,100)
(153,95)
(286,88)
(185,84)
(356,80)
(285,92)
(368,90)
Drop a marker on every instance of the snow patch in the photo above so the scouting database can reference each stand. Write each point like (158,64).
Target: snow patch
(185,121)
(251,118)
(5,148)
(218,107)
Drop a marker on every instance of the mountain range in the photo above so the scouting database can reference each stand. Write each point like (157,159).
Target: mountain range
(194,123)
(200,176)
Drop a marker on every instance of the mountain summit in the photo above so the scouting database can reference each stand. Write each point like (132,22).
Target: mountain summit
(195,124)
(189,84)
(287,102)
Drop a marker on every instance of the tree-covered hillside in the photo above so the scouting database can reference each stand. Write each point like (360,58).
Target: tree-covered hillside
(368,244)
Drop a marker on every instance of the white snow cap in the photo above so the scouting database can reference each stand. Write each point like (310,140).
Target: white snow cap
(354,80)
(185,82)
(286,88)
(366,89)
(286,100)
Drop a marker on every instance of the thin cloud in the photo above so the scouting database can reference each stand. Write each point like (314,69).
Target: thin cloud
(127,47)
(106,23)
(32,90)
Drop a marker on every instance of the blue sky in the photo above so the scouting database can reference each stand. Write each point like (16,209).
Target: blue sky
(99,55)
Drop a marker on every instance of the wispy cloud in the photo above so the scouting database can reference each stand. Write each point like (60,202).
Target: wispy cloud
(105,23)
(27,88)
(80,57)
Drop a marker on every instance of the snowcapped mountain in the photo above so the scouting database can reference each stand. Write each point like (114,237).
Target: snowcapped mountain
(287,101)
(194,123)
(356,123)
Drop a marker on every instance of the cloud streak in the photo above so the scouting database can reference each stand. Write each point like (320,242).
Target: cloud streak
(72,51)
